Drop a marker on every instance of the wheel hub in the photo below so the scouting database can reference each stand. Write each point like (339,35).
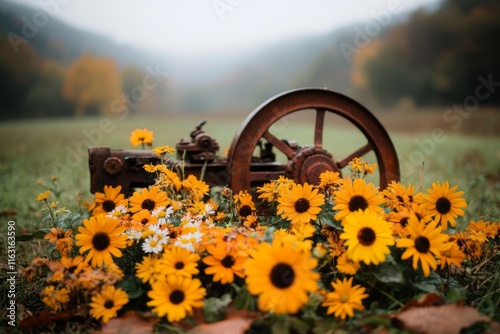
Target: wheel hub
(309,163)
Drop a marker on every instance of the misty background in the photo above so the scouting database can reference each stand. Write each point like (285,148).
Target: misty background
(85,58)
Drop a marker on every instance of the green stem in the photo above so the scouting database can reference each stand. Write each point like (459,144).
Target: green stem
(387,295)
(52,217)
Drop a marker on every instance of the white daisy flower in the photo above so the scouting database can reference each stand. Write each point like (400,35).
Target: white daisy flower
(188,241)
(117,212)
(163,214)
(152,245)
(133,234)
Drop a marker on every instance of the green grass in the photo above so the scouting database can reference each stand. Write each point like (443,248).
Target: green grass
(34,150)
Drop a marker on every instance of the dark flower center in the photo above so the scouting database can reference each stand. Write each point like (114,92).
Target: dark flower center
(148,204)
(404,221)
(60,236)
(176,297)
(100,241)
(443,205)
(400,199)
(366,236)
(179,265)
(144,221)
(108,205)
(302,205)
(72,269)
(109,304)
(173,234)
(410,198)
(357,202)
(245,210)
(227,261)
(282,275)
(422,244)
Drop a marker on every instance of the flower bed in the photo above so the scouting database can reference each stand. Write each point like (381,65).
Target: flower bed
(343,255)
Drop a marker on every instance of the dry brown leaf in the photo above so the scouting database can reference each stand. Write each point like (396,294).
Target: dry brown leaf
(42,319)
(444,319)
(129,322)
(8,212)
(429,299)
(237,322)
(493,329)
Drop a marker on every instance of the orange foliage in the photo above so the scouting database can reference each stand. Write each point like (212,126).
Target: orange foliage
(92,82)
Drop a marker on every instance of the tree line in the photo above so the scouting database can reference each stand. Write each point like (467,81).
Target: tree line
(435,57)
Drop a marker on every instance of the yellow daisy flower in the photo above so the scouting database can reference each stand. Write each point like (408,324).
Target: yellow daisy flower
(175,297)
(344,299)
(148,269)
(223,263)
(141,137)
(42,197)
(148,199)
(330,181)
(301,204)
(354,196)
(282,276)
(445,203)
(107,303)
(244,204)
(106,202)
(74,265)
(426,242)
(482,227)
(452,256)
(162,150)
(179,261)
(56,234)
(55,299)
(268,192)
(102,237)
(399,197)
(367,236)
(145,217)
(197,188)
(347,266)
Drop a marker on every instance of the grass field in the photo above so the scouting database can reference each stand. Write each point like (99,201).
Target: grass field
(33,152)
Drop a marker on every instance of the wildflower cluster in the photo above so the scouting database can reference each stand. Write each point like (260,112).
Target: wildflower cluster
(319,253)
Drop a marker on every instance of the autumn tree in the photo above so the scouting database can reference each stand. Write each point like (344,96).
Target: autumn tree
(92,83)
(45,99)
(18,73)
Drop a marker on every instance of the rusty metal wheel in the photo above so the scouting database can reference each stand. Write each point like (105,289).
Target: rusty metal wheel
(305,163)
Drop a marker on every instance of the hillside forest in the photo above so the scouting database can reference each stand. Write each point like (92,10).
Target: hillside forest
(429,57)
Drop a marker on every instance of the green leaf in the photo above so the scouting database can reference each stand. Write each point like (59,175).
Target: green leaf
(214,309)
(299,326)
(427,288)
(25,237)
(268,234)
(132,286)
(244,300)
(389,273)
(46,218)
(327,218)
(280,324)
(41,233)
(456,295)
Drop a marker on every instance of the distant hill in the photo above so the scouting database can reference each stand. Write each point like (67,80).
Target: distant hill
(432,55)
(65,43)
